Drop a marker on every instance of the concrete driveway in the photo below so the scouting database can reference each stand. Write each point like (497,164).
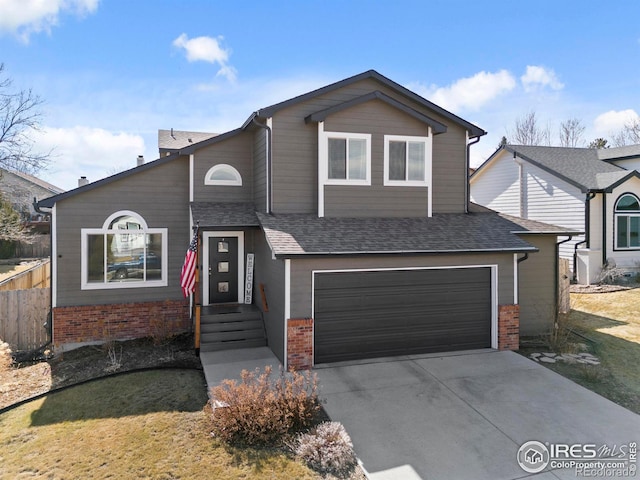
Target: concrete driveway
(464,416)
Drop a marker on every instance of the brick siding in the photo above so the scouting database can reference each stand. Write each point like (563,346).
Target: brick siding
(300,343)
(508,327)
(122,321)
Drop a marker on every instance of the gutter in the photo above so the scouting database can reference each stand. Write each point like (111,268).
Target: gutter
(269,179)
(467,189)
(524,250)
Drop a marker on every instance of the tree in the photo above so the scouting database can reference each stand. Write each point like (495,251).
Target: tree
(599,143)
(571,131)
(20,117)
(11,225)
(528,132)
(503,142)
(629,135)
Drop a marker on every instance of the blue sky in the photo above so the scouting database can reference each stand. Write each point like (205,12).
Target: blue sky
(112,72)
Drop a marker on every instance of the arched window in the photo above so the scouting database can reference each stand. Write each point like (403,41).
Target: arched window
(223,174)
(627,222)
(124,253)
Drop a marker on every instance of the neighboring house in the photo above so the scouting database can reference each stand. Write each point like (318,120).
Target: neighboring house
(20,189)
(593,191)
(352,201)
(171,141)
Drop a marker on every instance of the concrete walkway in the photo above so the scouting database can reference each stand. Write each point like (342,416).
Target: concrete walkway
(230,363)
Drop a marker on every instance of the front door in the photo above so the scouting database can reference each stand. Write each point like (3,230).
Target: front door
(223,269)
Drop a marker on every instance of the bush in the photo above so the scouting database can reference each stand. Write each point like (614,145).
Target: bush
(327,449)
(261,410)
(6,361)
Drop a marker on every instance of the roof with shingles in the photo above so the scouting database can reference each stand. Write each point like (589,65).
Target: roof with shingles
(307,234)
(232,214)
(177,139)
(618,153)
(580,167)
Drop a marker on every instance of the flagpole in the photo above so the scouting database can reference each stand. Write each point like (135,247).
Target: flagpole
(196,295)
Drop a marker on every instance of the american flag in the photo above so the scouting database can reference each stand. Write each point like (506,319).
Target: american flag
(188,273)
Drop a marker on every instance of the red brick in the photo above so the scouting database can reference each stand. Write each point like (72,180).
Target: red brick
(300,343)
(92,323)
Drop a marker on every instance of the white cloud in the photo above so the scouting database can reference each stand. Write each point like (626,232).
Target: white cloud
(613,121)
(469,93)
(537,77)
(25,17)
(207,49)
(85,151)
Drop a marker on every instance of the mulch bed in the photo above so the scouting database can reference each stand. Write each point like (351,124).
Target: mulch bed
(22,381)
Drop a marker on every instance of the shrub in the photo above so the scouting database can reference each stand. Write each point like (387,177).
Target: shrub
(5,356)
(327,449)
(262,410)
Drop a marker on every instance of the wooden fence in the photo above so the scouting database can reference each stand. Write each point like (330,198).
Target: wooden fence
(36,277)
(564,285)
(38,247)
(23,315)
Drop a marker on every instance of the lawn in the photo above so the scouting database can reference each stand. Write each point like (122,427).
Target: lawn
(139,425)
(609,325)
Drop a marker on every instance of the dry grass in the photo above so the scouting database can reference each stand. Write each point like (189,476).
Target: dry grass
(611,321)
(8,271)
(141,425)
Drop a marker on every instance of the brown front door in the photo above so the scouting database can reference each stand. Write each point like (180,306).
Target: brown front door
(223,270)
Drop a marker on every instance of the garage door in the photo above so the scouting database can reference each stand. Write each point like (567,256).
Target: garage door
(384,313)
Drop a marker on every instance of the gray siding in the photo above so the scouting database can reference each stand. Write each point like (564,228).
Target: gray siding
(301,272)
(449,170)
(160,195)
(295,152)
(235,151)
(537,287)
(378,119)
(260,169)
(270,273)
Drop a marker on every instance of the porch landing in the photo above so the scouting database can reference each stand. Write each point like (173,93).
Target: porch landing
(228,364)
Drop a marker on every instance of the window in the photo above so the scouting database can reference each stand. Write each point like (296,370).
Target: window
(223,174)
(123,253)
(627,222)
(407,160)
(348,158)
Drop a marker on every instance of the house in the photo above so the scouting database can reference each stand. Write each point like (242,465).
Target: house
(331,226)
(20,189)
(593,191)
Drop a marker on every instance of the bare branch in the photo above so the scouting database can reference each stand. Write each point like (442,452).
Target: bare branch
(20,117)
(528,132)
(571,131)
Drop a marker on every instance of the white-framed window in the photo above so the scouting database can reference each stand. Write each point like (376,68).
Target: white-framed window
(223,174)
(124,253)
(347,158)
(407,161)
(627,222)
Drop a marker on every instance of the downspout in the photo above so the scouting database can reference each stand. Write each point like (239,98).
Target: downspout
(516,273)
(556,295)
(587,218)
(269,188)
(604,228)
(466,184)
(49,323)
